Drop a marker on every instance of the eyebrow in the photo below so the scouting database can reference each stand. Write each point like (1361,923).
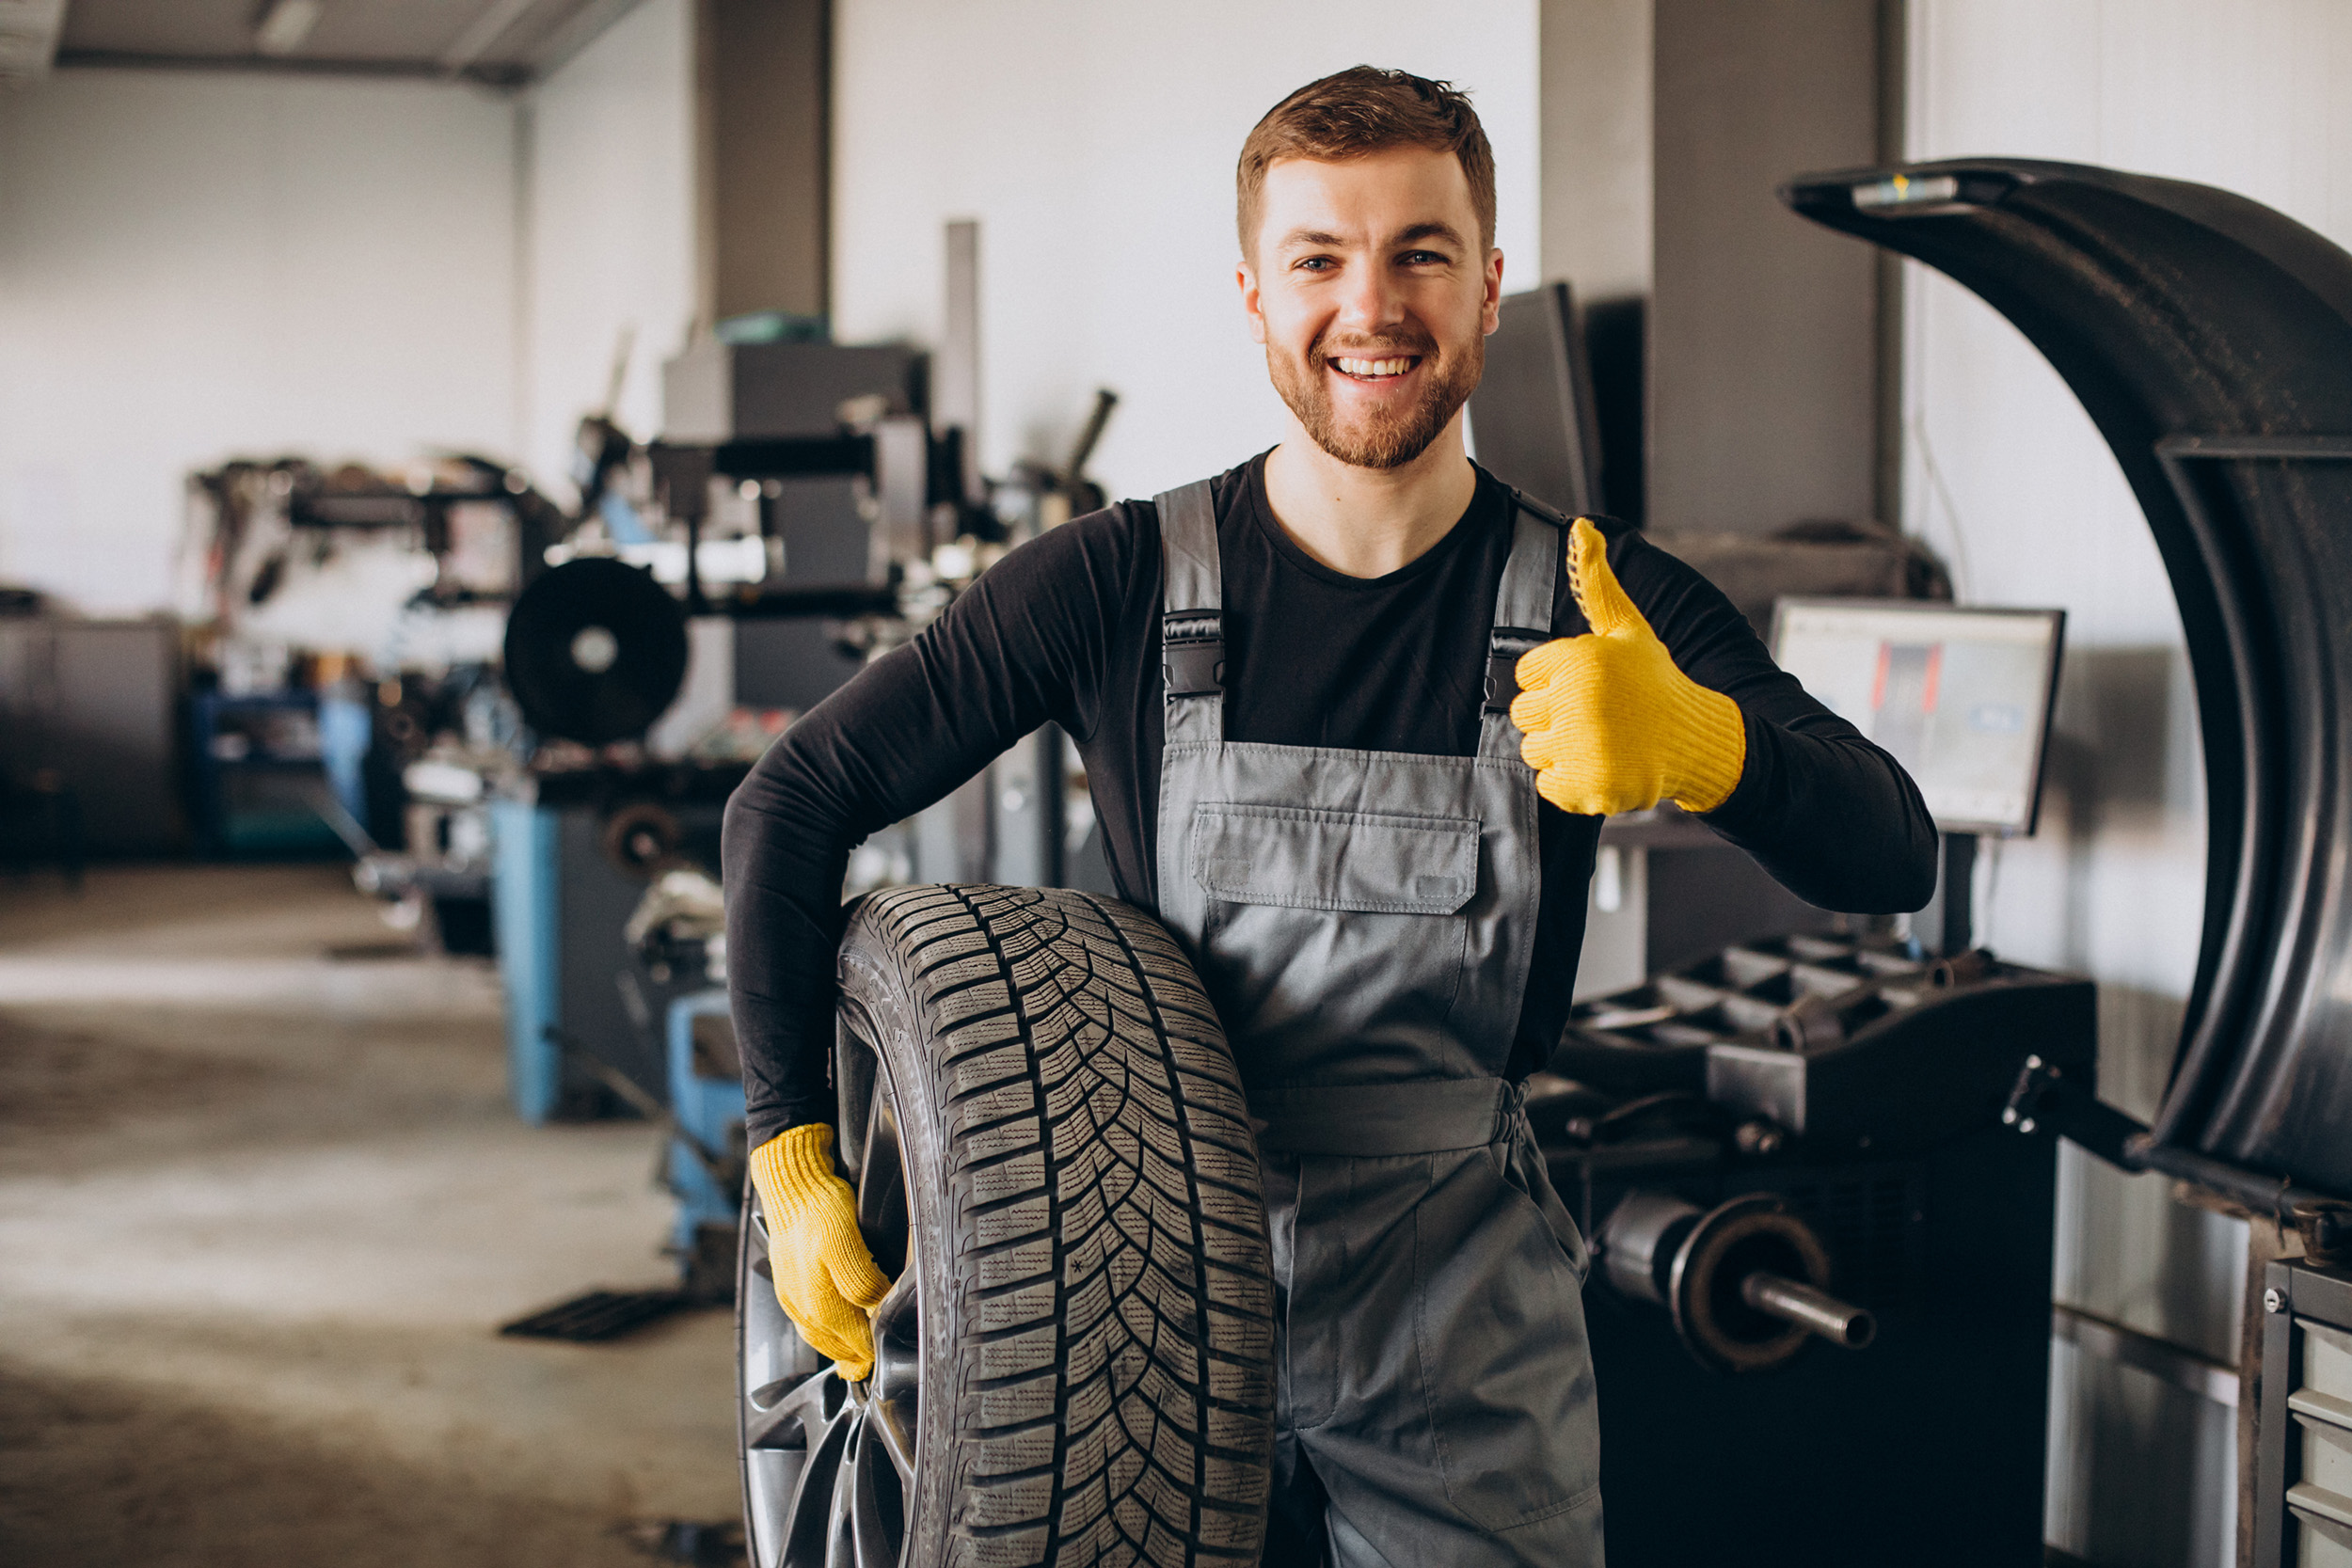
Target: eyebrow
(1411,234)
(1433,232)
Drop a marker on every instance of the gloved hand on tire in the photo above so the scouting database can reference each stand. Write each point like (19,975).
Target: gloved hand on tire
(825,1276)
(1611,723)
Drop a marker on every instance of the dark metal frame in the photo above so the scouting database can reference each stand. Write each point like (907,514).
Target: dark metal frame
(2210,339)
(908,467)
(2277,859)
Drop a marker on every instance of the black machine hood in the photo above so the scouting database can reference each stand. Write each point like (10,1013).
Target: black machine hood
(2210,339)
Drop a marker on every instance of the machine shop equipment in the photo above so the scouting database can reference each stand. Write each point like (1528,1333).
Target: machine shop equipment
(596,651)
(571,864)
(622,649)
(1810,1222)
(2210,339)
(1744,1282)
(1819,1304)
(839,473)
(404,575)
(599,650)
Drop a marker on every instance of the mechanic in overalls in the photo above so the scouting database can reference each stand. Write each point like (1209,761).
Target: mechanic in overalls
(1293,688)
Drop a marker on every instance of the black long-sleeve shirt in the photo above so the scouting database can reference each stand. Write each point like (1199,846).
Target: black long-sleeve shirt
(1066,629)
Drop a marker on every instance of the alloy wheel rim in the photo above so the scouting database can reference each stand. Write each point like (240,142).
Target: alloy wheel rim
(830,1463)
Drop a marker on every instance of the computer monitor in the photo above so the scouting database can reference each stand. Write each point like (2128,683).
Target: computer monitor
(1960,697)
(1532,420)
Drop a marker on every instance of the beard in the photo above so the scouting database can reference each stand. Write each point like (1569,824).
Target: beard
(1379,441)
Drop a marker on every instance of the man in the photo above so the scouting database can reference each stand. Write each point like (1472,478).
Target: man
(1293,688)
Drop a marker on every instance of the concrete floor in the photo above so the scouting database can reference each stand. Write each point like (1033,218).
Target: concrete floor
(263,1205)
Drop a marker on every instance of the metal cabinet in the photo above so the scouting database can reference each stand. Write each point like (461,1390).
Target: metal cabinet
(2303,1433)
(95,701)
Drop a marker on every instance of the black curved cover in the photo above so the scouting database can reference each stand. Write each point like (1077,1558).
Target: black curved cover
(2210,339)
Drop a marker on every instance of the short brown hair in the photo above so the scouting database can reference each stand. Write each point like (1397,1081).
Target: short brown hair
(1362,110)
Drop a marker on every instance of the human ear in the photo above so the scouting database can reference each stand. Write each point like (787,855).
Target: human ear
(1490,315)
(1251,306)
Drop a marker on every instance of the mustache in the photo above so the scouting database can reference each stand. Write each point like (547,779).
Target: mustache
(1393,346)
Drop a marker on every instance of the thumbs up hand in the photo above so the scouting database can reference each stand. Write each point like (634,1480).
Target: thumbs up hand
(1611,724)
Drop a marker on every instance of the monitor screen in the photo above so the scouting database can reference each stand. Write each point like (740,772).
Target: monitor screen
(1960,697)
(1532,420)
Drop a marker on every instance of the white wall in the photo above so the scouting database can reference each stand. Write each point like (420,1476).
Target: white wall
(2006,475)
(1096,144)
(195,268)
(1597,134)
(607,168)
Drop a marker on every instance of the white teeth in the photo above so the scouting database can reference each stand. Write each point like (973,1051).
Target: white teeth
(1374,367)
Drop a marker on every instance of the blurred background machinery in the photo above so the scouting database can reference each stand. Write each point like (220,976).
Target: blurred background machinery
(808,507)
(520,721)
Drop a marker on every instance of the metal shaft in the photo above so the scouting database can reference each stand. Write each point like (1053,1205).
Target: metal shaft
(1813,1310)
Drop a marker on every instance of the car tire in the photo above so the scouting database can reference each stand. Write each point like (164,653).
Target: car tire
(1053,1160)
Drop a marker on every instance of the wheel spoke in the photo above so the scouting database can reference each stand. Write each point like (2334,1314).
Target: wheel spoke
(856,1072)
(779,1428)
(811,1518)
(874,1508)
(894,1315)
(815,1401)
(757,1250)
(840,1531)
(887,1423)
(882,1200)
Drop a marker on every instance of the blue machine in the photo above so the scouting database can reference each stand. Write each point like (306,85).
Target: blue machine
(581,1010)
(523,908)
(707,1174)
(559,963)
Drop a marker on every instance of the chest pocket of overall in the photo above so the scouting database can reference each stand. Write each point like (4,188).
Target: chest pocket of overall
(1334,933)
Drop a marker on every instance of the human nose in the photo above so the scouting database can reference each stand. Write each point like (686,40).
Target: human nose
(1369,302)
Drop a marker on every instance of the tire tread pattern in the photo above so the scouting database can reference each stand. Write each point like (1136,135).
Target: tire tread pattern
(1113,1313)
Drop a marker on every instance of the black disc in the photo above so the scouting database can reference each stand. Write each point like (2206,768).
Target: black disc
(642,838)
(594,651)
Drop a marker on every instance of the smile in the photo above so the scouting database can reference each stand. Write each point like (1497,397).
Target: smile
(1375,369)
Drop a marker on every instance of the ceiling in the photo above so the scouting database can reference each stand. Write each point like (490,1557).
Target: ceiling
(505,43)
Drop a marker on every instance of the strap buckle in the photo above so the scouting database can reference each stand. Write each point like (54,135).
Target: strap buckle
(1192,654)
(1505,649)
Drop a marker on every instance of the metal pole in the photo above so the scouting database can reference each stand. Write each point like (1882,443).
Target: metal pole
(1815,1311)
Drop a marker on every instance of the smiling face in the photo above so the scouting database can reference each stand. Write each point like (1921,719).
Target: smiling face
(1373,295)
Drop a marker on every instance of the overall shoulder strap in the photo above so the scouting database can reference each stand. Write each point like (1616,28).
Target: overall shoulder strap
(1523,612)
(1192,602)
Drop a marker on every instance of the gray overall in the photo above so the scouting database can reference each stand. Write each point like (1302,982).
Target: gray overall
(1364,922)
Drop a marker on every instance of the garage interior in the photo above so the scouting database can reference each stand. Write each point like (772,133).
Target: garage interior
(444,442)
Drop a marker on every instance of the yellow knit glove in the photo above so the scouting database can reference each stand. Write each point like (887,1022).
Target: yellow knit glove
(825,1276)
(1611,724)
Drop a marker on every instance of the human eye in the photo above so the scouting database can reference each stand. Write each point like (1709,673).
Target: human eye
(1313,263)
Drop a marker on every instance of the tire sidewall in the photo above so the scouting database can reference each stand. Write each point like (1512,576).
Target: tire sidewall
(908,1065)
